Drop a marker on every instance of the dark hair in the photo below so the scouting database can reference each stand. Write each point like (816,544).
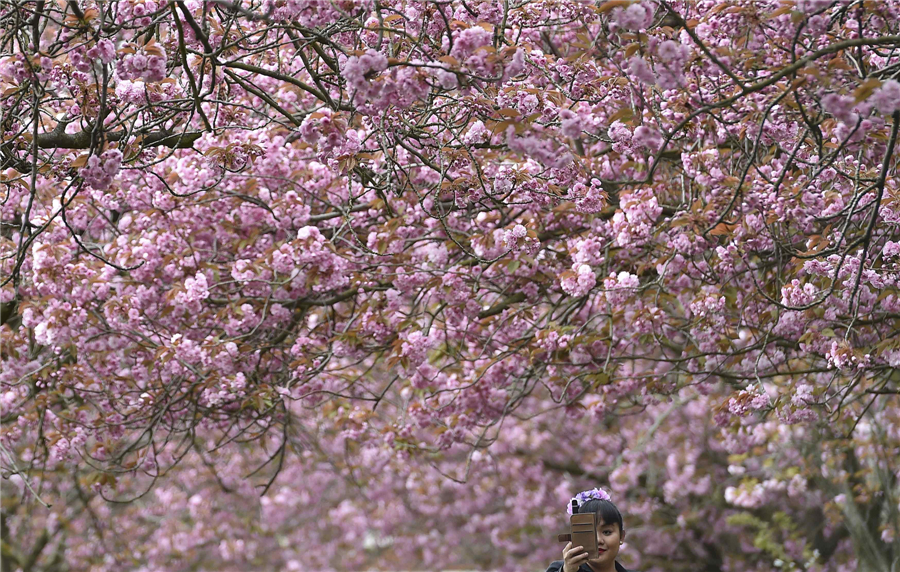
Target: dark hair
(606,510)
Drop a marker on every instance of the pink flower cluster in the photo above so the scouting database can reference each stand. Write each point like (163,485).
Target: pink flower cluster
(748,401)
(619,287)
(842,355)
(14,68)
(633,224)
(150,67)
(104,51)
(797,295)
(635,17)
(646,137)
(415,347)
(886,98)
(891,249)
(540,149)
(195,291)
(639,69)
(516,65)
(328,132)
(328,271)
(578,281)
(99,171)
(589,198)
(841,107)
(813,6)
(466,42)
(668,73)
(671,58)
(749,496)
(621,136)
(570,123)
(138,13)
(319,14)
(228,391)
(358,71)
(517,239)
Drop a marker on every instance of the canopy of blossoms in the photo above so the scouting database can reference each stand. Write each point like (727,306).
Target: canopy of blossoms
(342,285)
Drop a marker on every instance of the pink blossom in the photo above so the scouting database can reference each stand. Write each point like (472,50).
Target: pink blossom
(477,133)
(813,6)
(570,123)
(841,355)
(356,68)
(647,137)
(618,131)
(401,292)
(886,98)
(105,51)
(138,62)
(589,198)
(144,65)
(415,347)
(636,17)
(467,41)
(639,69)
(99,171)
(195,290)
(745,496)
(516,64)
(797,295)
(671,51)
(518,240)
(840,106)
(891,249)
(578,281)
(672,59)
(541,149)
(447,79)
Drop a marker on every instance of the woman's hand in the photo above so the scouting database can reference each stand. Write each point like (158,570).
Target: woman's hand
(573,557)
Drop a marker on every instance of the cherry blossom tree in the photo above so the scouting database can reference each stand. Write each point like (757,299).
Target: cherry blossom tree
(339,285)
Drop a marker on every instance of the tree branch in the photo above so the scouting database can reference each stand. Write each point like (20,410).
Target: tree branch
(82,139)
(502,305)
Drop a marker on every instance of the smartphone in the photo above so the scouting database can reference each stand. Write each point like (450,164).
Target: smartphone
(584,533)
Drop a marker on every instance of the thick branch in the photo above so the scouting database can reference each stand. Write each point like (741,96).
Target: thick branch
(82,139)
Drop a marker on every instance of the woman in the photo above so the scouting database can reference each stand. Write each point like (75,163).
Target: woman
(610,536)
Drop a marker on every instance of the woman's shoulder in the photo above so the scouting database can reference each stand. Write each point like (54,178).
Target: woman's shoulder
(557,565)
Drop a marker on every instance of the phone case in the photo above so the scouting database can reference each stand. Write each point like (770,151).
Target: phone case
(584,533)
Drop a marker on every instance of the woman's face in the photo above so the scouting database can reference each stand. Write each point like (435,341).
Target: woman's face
(609,538)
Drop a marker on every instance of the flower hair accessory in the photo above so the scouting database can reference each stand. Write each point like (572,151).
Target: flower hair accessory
(584,496)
